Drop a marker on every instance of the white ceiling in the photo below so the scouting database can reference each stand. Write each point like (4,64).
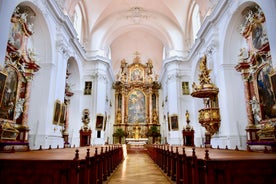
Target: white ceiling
(123,27)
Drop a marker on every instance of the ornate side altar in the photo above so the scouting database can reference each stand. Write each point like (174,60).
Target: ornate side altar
(259,76)
(209,116)
(15,82)
(136,99)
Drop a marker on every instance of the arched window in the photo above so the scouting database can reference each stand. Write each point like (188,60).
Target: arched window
(195,21)
(77,21)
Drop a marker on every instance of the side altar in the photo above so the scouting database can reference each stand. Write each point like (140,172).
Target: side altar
(15,82)
(136,101)
(259,76)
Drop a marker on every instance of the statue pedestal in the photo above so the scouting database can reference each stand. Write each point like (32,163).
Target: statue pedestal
(85,136)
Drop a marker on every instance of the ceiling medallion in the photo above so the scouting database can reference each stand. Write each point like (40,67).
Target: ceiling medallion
(137,14)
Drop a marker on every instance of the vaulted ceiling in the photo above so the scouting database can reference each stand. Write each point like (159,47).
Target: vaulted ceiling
(155,28)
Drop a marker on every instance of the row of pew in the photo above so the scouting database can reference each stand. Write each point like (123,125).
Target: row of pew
(190,165)
(83,165)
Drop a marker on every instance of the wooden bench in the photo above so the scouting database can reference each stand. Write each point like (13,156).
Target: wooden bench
(214,166)
(92,164)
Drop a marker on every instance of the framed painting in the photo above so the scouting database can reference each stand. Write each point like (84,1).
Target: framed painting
(136,107)
(57,112)
(99,122)
(265,86)
(105,120)
(273,83)
(62,118)
(174,122)
(169,124)
(137,74)
(3,78)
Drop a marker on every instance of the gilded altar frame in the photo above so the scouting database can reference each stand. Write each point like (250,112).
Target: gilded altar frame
(136,98)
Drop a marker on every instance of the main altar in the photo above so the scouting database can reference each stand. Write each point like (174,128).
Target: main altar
(136,101)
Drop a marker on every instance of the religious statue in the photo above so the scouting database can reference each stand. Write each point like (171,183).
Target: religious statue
(19,107)
(204,77)
(123,66)
(244,55)
(154,117)
(119,117)
(255,108)
(187,116)
(136,135)
(149,67)
(85,118)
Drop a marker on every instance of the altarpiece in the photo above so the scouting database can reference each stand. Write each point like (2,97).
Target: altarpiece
(255,65)
(136,99)
(16,78)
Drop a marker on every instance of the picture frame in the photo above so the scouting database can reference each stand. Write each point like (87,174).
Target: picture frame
(273,81)
(99,122)
(105,120)
(169,124)
(57,112)
(137,74)
(62,118)
(174,122)
(3,78)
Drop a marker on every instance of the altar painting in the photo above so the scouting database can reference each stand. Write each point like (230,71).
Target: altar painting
(136,107)
(9,94)
(266,93)
(137,74)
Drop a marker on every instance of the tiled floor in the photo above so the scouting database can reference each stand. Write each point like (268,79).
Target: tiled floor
(138,168)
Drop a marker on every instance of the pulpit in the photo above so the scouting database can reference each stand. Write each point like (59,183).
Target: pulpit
(85,137)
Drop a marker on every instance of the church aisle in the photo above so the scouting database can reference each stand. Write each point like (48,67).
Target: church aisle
(138,168)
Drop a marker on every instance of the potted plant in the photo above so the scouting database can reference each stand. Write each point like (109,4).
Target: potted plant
(120,133)
(154,133)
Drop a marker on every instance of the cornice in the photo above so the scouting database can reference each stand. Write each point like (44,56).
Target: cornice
(206,26)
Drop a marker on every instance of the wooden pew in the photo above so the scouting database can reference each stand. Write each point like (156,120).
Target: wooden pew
(62,166)
(211,166)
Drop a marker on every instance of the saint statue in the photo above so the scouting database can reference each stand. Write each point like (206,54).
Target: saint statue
(187,116)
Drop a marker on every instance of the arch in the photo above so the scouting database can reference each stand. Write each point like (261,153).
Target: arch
(233,41)
(74,110)
(39,115)
(195,21)
(107,31)
(77,21)
(189,24)
(84,23)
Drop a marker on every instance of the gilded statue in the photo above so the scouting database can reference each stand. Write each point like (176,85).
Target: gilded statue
(154,117)
(119,117)
(187,116)
(204,77)
(149,67)
(268,130)
(123,66)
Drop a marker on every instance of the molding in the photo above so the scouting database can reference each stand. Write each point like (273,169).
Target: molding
(224,67)
(207,24)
